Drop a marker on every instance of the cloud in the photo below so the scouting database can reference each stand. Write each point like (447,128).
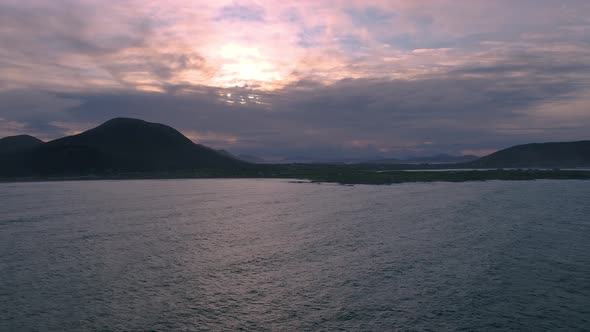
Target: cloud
(357,116)
(242,13)
(317,78)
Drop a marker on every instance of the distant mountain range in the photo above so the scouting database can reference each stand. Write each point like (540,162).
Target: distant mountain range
(541,155)
(436,159)
(118,145)
(129,145)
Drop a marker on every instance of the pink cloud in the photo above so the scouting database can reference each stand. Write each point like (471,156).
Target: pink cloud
(150,44)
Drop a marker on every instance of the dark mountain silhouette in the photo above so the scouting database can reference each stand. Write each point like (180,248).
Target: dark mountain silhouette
(124,145)
(118,145)
(556,154)
(227,154)
(15,143)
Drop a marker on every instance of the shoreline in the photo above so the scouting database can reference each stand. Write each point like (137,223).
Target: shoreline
(345,176)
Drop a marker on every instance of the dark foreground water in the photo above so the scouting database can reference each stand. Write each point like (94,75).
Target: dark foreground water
(259,255)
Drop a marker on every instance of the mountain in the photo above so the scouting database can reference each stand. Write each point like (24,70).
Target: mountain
(251,159)
(555,154)
(226,153)
(118,145)
(15,143)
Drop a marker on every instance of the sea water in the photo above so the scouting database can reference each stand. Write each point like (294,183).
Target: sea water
(260,255)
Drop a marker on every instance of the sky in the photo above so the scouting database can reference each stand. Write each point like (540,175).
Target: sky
(315,79)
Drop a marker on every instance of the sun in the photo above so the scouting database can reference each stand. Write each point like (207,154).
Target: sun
(246,66)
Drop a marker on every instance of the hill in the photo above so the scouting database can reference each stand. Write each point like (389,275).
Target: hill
(15,143)
(118,145)
(555,154)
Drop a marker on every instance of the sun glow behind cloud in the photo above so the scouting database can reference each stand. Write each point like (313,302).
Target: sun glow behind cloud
(218,44)
(246,66)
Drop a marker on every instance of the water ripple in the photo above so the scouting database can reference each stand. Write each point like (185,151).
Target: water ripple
(266,255)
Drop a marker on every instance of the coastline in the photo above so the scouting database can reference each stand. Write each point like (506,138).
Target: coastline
(332,174)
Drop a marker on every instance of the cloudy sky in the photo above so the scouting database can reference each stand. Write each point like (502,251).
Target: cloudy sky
(314,78)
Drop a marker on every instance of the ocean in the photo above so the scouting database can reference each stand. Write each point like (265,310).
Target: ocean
(270,255)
